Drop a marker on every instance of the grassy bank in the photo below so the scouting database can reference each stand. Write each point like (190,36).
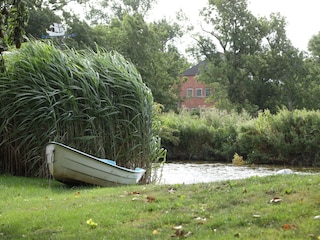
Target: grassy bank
(32,209)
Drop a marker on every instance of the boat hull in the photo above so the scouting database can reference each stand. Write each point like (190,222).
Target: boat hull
(74,167)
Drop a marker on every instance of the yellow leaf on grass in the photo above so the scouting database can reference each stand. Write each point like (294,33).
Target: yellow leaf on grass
(91,223)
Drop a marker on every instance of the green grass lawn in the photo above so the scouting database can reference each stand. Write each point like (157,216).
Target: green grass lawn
(35,209)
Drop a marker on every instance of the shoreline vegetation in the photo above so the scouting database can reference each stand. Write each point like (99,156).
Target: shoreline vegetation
(272,207)
(94,101)
(287,138)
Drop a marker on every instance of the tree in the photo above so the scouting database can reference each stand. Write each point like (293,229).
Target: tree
(251,58)
(83,36)
(40,19)
(313,73)
(233,30)
(54,5)
(44,13)
(283,66)
(104,11)
(13,19)
(150,46)
(314,46)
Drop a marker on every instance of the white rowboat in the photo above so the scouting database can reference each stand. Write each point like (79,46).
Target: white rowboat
(73,167)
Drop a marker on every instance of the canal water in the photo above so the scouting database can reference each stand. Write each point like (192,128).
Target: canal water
(190,173)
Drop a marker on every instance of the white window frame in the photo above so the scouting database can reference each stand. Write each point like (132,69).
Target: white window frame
(199,90)
(207,92)
(189,92)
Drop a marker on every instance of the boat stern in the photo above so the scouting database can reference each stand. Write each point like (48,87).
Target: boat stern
(50,156)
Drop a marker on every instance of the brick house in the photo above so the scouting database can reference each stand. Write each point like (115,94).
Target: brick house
(194,94)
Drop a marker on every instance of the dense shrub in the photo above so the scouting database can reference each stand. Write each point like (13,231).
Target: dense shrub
(208,136)
(95,102)
(284,138)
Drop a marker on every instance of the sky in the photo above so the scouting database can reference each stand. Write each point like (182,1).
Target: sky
(303,18)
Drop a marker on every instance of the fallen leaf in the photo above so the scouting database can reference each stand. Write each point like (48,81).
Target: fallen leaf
(288,191)
(177,227)
(134,193)
(91,223)
(275,200)
(150,199)
(289,226)
(286,226)
(187,234)
(181,233)
(155,232)
(201,220)
(76,194)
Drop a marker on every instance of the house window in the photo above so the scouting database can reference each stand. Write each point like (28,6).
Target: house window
(207,92)
(190,92)
(198,92)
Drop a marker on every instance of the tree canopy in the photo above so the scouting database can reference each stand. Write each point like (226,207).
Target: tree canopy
(251,63)
(252,60)
(13,19)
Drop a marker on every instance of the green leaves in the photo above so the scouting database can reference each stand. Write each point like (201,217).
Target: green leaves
(149,47)
(13,19)
(95,102)
(284,138)
(254,63)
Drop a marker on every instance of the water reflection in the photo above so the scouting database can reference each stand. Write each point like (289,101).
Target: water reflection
(189,173)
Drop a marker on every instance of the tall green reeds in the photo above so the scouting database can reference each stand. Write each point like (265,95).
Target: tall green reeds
(93,101)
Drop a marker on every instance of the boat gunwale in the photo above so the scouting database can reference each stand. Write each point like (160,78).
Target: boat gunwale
(137,170)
